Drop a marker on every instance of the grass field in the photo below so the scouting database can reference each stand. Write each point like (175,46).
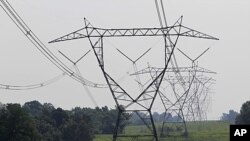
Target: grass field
(197,131)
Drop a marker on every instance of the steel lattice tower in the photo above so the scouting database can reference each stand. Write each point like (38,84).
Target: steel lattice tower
(170,35)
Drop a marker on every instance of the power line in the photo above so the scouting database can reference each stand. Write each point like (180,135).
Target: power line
(13,15)
(32,86)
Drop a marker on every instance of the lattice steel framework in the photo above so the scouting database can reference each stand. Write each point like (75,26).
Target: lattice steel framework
(170,35)
(187,104)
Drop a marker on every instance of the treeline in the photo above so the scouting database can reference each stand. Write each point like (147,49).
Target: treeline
(34,121)
(43,122)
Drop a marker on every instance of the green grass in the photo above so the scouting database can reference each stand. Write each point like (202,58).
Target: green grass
(197,131)
(103,137)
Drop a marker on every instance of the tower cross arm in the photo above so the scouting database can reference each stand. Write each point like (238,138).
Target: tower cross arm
(129,32)
(188,32)
(102,32)
(72,36)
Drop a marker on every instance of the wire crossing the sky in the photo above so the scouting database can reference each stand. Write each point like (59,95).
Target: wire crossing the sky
(13,15)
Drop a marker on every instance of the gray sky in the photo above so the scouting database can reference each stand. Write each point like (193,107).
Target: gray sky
(22,64)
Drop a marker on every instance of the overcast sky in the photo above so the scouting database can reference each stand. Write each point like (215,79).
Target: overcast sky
(22,64)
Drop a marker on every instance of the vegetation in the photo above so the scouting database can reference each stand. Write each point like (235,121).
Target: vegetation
(244,116)
(230,117)
(43,122)
(16,125)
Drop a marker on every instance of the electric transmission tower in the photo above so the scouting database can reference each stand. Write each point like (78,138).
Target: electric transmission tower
(170,36)
(178,96)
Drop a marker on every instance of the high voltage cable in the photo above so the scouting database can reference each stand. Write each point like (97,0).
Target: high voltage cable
(173,63)
(79,73)
(33,86)
(160,9)
(27,32)
(13,15)
(90,95)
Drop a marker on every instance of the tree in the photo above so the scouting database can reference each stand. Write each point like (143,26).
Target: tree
(16,125)
(108,122)
(34,108)
(48,131)
(231,116)
(78,128)
(42,122)
(46,124)
(48,107)
(60,116)
(244,116)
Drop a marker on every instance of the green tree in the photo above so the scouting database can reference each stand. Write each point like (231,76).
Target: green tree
(48,131)
(17,125)
(78,128)
(60,116)
(108,120)
(46,124)
(34,108)
(42,122)
(244,116)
